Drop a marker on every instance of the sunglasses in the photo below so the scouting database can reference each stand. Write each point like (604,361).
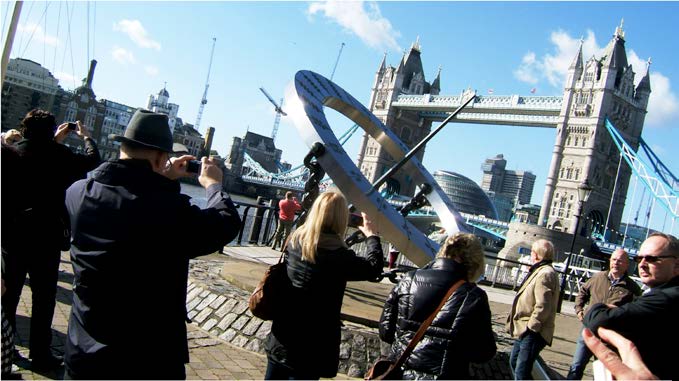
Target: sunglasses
(651,258)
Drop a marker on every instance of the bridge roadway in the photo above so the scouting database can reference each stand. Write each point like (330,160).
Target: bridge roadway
(212,357)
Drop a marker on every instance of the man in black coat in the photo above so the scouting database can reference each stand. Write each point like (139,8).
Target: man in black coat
(34,220)
(133,236)
(649,322)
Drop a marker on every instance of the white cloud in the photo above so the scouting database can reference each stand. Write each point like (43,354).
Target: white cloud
(137,33)
(123,56)
(554,67)
(66,79)
(366,23)
(151,70)
(35,32)
(663,105)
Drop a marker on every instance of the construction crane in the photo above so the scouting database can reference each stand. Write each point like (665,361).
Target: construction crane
(279,112)
(337,61)
(207,85)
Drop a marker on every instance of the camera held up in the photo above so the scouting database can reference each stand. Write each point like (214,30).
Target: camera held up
(355,220)
(193,166)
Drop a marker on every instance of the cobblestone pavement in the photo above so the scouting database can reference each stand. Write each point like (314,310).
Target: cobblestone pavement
(211,357)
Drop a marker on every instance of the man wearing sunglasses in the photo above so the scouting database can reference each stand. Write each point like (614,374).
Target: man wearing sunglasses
(612,287)
(650,321)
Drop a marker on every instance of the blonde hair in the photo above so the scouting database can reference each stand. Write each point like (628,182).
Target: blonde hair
(468,249)
(328,214)
(544,249)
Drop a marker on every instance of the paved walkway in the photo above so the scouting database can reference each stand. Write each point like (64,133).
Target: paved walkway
(211,357)
(214,358)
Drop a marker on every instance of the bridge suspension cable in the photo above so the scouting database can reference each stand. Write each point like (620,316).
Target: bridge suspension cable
(660,190)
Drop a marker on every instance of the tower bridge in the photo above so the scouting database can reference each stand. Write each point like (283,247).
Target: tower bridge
(595,91)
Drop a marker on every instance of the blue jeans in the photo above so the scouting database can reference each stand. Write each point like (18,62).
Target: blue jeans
(581,358)
(524,353)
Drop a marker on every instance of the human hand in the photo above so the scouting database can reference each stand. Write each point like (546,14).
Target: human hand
(81,130)
(210,173)
(581,315)
(12,136)
(177,167)
(628,365)
(369,228)
(61,133)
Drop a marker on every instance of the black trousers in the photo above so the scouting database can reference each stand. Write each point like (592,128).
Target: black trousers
(41,264)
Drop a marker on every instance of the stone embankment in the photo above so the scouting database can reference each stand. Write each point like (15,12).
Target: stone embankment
(221,308)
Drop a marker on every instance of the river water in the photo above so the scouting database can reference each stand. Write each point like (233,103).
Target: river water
(197,194)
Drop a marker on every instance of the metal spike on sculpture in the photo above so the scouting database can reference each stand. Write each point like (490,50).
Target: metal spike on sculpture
(313,93)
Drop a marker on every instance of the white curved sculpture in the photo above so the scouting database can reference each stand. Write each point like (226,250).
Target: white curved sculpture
(305,107)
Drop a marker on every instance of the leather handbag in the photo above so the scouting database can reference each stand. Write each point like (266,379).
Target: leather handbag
(270,291)
(384,369)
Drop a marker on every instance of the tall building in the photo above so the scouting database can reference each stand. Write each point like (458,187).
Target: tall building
(467,196)
(504,205)
(515,185)
(259,147)
(390,82)
(27,85)
(595,89)
(161,105)
(116,118)
(187,135)
(82,105)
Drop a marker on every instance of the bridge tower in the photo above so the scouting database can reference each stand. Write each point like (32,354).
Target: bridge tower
(594,90)
(390,82)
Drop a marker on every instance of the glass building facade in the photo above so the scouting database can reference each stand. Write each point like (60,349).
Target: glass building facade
(467,196)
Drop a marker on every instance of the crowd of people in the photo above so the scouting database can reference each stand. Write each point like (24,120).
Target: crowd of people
(127,227)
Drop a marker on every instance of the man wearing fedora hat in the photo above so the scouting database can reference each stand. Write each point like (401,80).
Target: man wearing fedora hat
(133,236)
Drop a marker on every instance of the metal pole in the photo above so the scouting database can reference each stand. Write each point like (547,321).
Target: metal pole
(562,292)
(419,145)
(10,37)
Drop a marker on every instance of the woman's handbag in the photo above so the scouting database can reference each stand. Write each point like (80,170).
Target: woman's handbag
(270,291)
(384,369)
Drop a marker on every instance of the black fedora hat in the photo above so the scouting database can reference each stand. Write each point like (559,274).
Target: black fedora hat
(148,129)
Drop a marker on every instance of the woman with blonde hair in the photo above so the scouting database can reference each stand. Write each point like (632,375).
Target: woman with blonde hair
(305,337)
(461,332)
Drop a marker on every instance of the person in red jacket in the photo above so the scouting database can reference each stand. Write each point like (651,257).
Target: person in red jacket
(286,217)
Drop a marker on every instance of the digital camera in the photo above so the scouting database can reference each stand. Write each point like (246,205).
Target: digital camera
(193,166)
(72,125)
(355,220)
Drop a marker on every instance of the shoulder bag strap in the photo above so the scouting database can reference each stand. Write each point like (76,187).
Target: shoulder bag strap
(425,324)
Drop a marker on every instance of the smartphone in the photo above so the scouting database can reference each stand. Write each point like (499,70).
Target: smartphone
(193,166)
(72,126)
(355,220)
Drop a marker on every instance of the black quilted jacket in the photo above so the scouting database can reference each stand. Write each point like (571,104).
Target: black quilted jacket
(460,334)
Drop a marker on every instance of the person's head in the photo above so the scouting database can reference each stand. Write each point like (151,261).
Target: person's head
(328,214)
(38,125)
(11,137)
(157,158)
(288,195)
(618,263)
(466,249)
(542,250)
(147,137)
(658,259)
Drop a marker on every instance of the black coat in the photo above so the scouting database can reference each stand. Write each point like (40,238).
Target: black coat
(133,236)
(649,322)
(307,335)
(461,332)
(37,193)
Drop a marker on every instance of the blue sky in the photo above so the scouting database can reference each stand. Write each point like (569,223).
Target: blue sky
(509,47)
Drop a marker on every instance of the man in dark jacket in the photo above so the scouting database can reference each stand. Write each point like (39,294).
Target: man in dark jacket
(133,236)
(650,321)
(613,287)
(34,223)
